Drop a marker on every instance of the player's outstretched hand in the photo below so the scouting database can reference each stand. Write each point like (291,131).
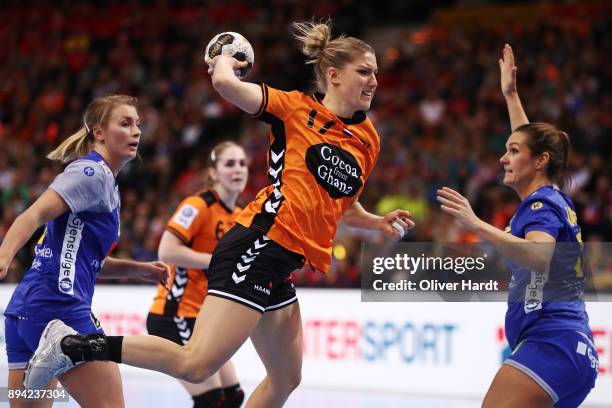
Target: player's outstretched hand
(395,224)
(507,71)
(154,272)
(453,203)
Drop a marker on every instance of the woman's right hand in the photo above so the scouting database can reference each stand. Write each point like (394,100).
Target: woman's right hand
(507,71)
(453,203)
(226,59)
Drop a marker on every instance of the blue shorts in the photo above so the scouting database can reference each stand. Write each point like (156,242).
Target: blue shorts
(564,363)
(22,335)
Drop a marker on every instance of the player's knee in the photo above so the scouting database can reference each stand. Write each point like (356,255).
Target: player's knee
(193,370)
(195,374)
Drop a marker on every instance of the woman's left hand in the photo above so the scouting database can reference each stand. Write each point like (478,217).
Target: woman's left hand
(453,203)
(395,224)
(154,272)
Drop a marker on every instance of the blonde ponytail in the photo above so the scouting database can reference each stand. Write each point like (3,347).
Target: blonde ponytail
(314,38)
(77,145)
(323,51)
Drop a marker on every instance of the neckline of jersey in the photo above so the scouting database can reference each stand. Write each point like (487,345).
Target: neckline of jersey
(356,119)
(219,200)
(97,155)
(542,188)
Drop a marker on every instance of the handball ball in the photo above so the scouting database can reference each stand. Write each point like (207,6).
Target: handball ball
(234,45)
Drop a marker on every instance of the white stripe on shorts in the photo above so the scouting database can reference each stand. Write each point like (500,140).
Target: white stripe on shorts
(278,306)
(238,298)
(535,377)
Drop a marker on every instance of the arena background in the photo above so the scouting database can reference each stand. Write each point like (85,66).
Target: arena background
(441,118)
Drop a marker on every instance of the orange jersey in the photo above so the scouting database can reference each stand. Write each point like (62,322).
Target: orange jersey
(317,166)
(199,221)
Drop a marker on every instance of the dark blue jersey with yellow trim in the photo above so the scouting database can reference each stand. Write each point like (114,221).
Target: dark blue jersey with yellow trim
(553,299)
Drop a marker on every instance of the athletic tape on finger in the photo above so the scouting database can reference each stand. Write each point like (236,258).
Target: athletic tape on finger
(399,228)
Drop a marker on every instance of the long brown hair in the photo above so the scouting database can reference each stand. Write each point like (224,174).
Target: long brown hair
(543,137)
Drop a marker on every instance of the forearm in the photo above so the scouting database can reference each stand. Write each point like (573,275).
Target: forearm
(517,114)
(185,257)
(534,256)
(20,232)
(356,216)
(119,268)
(244,95)
(225,81)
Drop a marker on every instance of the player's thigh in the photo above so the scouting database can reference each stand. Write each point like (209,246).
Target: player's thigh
(15,382)
(278,342)
(231,309)
(222,326)
(512,388)
(95,384)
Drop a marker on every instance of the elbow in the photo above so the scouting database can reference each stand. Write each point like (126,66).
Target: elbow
(542,265)
(538,263)
(543,256)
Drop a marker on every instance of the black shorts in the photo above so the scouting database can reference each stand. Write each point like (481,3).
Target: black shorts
(174,328)
(249,268)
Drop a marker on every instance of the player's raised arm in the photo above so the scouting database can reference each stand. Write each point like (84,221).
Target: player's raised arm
(508,70)
(245,95)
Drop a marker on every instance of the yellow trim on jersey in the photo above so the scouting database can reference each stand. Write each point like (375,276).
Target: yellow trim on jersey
(42,237)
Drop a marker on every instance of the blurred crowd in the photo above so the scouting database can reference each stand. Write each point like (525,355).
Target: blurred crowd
(438,108)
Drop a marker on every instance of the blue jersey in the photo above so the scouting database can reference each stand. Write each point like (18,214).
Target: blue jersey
(553,299)
(73,246)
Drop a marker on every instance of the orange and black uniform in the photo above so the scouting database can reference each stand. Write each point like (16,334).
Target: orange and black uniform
(199,221)
(317,166)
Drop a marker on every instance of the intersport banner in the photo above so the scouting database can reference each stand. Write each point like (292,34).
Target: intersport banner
(417,348)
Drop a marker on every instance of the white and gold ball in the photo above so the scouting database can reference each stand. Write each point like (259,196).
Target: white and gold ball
(232,44)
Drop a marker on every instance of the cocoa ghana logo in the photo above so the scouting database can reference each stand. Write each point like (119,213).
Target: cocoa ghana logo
(335,169)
